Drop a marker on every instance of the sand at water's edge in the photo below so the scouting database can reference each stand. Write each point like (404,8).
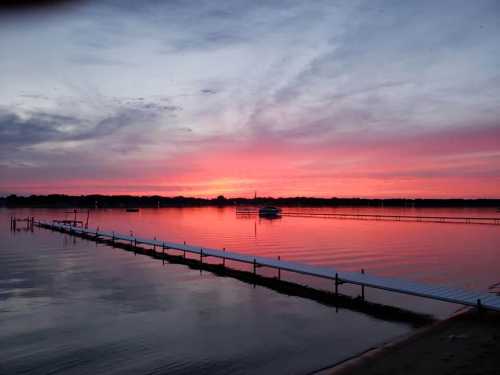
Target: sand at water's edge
(468,343)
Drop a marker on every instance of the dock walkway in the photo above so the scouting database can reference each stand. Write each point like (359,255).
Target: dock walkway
(468,298)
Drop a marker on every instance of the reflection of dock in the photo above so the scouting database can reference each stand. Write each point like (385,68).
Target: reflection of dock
(468,298)
(394,217)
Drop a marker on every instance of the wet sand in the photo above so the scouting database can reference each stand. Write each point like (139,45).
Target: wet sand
(468,343)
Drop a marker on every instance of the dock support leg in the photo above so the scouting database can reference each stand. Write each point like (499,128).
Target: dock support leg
(336,285)
(479,305)
(279,270)
(201,260)
(224,259)
(362,287)
(163,253)
(254,267)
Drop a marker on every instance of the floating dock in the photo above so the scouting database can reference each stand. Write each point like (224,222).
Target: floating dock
(486,301)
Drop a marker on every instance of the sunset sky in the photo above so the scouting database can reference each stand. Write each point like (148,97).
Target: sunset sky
(286,98)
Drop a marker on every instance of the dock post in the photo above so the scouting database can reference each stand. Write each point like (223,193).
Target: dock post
(479,305)
(113,237)
(279,269)
(154,245)
(254,267)
(201,255)
(184,251)
(336,284)
(362,286)
(163,252)
(224,258)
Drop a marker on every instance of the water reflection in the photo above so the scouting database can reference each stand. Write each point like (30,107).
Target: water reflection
(67,305)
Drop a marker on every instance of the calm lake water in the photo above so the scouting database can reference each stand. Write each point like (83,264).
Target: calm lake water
(71,306)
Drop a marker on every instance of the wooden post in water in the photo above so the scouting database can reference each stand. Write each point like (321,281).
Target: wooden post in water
(362,286)
(224,259)
(336,284)
(254,267)
(201,260)
(279,270)
(113,238)
(163,252)
(154,245)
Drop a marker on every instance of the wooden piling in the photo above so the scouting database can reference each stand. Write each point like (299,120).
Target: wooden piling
(163,253)
(336,284)
(254,266)
(224,259)
(362,287)
(279,270)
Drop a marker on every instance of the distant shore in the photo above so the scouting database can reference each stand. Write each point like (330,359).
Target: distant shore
(155,201)
(467,343)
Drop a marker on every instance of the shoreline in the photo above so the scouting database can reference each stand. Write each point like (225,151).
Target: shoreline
(463,343)
(91,201)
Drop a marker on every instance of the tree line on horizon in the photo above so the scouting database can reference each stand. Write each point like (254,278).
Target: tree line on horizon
(126,201)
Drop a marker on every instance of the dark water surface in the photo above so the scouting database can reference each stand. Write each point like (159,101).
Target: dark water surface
(70,306)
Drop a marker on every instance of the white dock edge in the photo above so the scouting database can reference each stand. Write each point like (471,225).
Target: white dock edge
(468,298)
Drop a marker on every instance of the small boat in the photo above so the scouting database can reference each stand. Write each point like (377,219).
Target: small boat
(270,211)
(132,209)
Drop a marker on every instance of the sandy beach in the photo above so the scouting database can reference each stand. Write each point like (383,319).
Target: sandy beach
(467,343)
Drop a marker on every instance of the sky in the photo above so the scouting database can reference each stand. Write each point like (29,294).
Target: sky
(286,98)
